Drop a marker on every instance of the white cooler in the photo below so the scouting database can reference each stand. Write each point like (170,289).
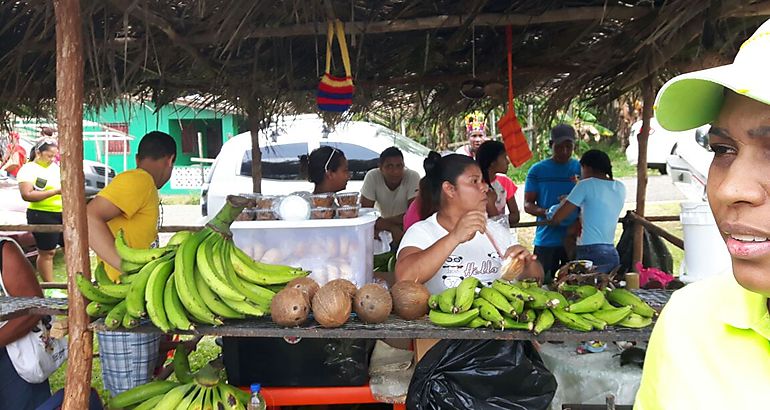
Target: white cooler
(329,248)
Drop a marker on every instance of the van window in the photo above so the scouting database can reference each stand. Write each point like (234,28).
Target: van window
(360,159)
(278,161)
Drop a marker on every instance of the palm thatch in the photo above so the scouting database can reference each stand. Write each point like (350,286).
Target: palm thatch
(265,56)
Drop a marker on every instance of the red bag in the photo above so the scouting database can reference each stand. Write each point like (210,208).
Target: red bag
(335,93)
(515,142)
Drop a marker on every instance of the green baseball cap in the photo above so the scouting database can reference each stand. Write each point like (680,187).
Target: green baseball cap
(693,99)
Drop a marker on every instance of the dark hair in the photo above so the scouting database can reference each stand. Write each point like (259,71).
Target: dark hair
(156,145)
(438,170)
(488,152)
(323,159)
(391,152)
(597,160)
(43,145)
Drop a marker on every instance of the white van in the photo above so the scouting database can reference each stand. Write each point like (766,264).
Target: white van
(285,141)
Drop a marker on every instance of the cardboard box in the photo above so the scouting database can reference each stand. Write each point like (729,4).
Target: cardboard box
(421,346)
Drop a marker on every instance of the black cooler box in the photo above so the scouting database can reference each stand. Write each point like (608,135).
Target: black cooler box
(306,362)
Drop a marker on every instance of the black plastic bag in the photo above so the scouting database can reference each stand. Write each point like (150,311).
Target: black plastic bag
(655,252)
(487,374)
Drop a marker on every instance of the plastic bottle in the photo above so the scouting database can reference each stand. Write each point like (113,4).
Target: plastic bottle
(256,402)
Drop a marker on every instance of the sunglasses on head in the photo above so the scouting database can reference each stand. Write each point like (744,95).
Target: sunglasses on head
(326,166)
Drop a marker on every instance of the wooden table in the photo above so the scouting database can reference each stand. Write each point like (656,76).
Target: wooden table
(394,327)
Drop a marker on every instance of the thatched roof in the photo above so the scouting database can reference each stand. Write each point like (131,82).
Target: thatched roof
(268,54)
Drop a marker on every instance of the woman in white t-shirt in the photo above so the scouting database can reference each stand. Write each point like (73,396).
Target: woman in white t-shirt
(452,244)
(493,161)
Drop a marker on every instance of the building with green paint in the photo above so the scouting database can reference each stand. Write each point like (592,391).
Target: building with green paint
(199,133)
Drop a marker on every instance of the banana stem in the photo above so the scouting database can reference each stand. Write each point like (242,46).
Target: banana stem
(226,216)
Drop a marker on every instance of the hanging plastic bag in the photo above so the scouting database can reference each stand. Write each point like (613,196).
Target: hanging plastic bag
(487,374)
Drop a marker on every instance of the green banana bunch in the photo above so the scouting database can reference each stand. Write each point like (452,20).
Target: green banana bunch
(446,300)
(433,302)
(202,390)
(538,298)
(510,291)
(135,255)
(499,301)
(489,312)
(613,315)
(588,304)
(452,319)
(635,321)
(597,323)
(556,299)
(466,292)
(543,322)
(624,297)
(509,323)
(572,320)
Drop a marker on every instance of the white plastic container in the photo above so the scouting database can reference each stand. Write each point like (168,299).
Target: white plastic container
(329,248)
(705,252)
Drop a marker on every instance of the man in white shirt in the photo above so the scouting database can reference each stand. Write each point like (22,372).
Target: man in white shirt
(390,187)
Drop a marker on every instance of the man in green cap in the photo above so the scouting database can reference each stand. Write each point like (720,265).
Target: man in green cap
(710,348)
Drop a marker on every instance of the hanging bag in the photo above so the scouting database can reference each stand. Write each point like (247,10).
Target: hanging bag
(36,355)
(513,137)
(335,94)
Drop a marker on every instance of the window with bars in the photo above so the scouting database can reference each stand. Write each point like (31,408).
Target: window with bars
(118,146)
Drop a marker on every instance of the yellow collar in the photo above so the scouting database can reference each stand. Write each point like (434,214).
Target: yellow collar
(743,309)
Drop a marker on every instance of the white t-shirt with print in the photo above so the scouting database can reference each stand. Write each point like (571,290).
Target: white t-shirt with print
(476,257)
(390,202)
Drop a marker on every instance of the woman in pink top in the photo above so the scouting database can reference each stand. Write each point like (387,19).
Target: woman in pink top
(493,162)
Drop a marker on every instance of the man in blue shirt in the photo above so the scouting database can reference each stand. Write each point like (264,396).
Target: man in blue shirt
(548,182)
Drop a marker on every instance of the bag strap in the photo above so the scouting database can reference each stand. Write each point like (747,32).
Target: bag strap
(338,28)
(329,39)
(3,241)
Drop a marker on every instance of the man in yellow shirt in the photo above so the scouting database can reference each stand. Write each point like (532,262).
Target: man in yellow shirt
(130,202)
(710,348)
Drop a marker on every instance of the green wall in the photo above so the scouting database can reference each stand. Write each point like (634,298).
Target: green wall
(142,118)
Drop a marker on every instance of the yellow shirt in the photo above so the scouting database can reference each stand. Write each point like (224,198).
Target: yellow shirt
(134,192)
(44,179)
(709,350)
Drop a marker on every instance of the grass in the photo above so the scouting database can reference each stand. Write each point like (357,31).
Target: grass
(188,199)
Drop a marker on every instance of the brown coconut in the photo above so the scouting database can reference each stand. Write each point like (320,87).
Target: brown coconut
(290,307)
(331,306)
(410,299)
(372,303)
(344,285)
(308,286)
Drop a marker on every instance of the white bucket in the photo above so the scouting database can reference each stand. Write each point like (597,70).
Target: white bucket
(705,252)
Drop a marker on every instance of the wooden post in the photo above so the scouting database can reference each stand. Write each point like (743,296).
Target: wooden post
(69,104)
(256,153)
(648,99)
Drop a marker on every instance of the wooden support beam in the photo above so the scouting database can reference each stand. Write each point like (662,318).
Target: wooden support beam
(564,15)
(648,99)
(69,104)
(676,241)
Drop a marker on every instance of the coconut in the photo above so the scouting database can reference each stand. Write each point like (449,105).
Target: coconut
(345,285)
(307,285)
(410,299)
(290,307)
(372,303)
(331,306)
